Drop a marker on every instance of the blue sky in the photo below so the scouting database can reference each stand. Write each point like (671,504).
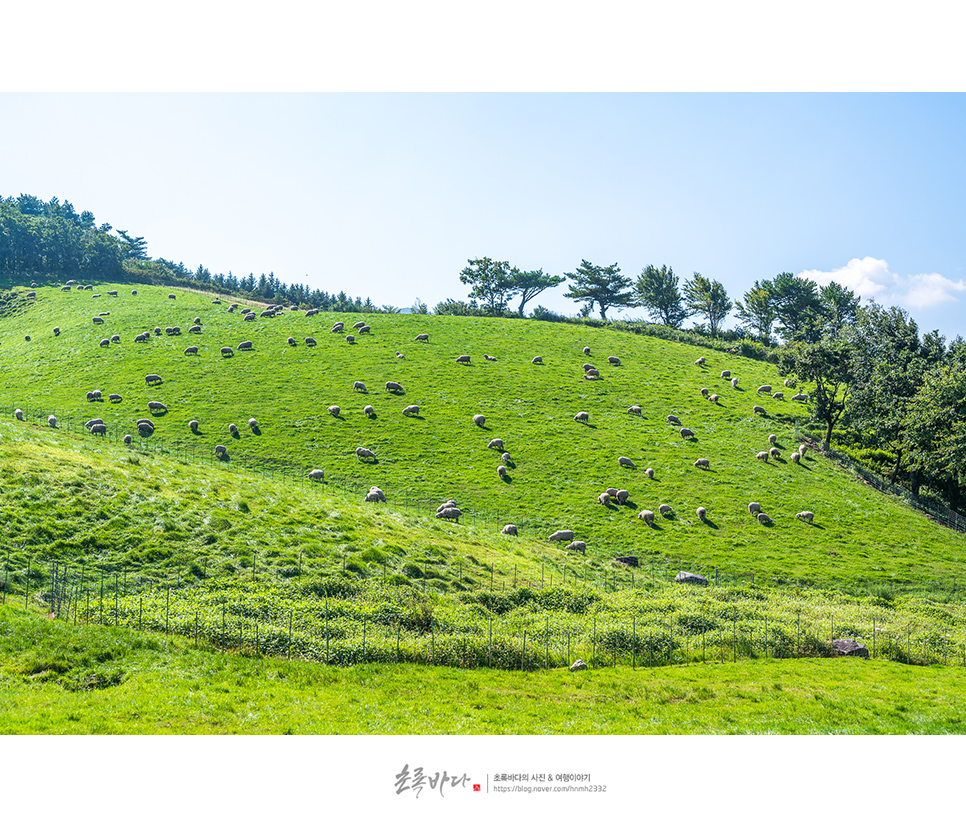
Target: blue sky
(388,195)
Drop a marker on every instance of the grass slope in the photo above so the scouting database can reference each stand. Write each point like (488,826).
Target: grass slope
(559,466)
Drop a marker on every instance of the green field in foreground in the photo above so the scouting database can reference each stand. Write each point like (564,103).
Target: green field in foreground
(60,679)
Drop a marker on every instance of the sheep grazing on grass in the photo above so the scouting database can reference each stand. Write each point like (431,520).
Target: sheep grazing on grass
(152,379)
(350,339)
(705,393)
(759,410)
(338,327)
(537,360)
(105,342)
(577,545)
(170,295)
(627,462)
(18,414)
(193,426)
(191,351)
(463,359)
(501,471)
(116,338)
(588,367)
(98,428)
(802,449)
(592,374)
(586,351)
(805,515)
(450,502)
(604,498)
(375,495)
(399,355)
(267,314)
(197,320)
(449,512)
(114,398)
(360,386)
(145,422)
(686,433)
(582,417)
(649,473)
(156,406)
(611,491)
(701,513)
(489,358)
(172,331)
(358,324)
(622,496)
(411,411)
(313,312)
(613,360)
(394,388)
(97,320)
(754,508)
(764,518)
(52,421)
(713,398)
(65,288)
(774,452)
(764,389)
(246,311)
(673,420)
(772,439)
(31,295)
(762,456)
(646,516)
(365,454)
(221,451)
(310,341)
(779,395)
(665,510)
(250,317)
(365,329)
(703,463)
(495,443)
(422,337)
(316,475)
(800,398)
(479,419)
(87,425)
(334,410)
(233,430)
(699,361)
(726,374)
(127,440)
(562,536)
(509,530)
(634,409)
(96,394)
(252,423)
(796,457)
(369,411)
(245,346)
(227,351)
(291,341)
(734,382)
(141,337)
(157,331)
(56,331)
(791,383)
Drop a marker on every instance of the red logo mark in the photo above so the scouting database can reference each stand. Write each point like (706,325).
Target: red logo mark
(476,787)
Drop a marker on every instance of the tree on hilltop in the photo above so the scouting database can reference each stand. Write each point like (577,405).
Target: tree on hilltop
(530,283)
(657,291)
(604,286)
(708,299)
(491,283)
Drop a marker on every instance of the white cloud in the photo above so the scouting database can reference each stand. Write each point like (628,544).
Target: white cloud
(871,279)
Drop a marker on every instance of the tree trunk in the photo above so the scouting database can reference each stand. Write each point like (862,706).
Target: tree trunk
(603,314)
(895,472)
(827,443)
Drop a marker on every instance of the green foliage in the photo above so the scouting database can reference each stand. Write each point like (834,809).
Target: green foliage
(757,309)
(708,299)
(657,290)
(604,286)
(491,282)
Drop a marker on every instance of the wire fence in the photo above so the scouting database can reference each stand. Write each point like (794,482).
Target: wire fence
(331,631)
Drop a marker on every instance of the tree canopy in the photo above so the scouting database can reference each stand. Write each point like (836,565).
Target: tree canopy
(657,291)
(604,286)
(707,299)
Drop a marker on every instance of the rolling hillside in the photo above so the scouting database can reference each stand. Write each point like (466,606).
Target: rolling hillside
(559,466)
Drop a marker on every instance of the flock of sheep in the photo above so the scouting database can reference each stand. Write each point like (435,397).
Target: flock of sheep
(449,509)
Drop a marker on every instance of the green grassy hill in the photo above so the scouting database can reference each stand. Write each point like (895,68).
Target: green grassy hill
(559,466)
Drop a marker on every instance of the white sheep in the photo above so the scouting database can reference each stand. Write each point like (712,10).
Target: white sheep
(759,410)
(762,455)
(463,358)
(805,515)
(582,417)
(649,473)
(505,457)
(703,463)
(509,530)
(764,389)
(586,351)
(778,395)
(495,443)
(673,420)
(537,360)
(734,382)
(774,452)
(699,360)
(411,411)
(634,409)
(702,513)
(763,518)
(800,398)
(802,449)
(363,453)
(772,439)
(369,411)
(686,433)
(360,386)
(705,393)
(577,545)
(726,374)
(624,461)
(713,398)
(561,536)
(622,496)
(604,498)
(479,419)
(613,360)
(754,508)
(501,471)
(665,509)
(316,475)
(334,410)
(611,491)
(646,515)
(796,457)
